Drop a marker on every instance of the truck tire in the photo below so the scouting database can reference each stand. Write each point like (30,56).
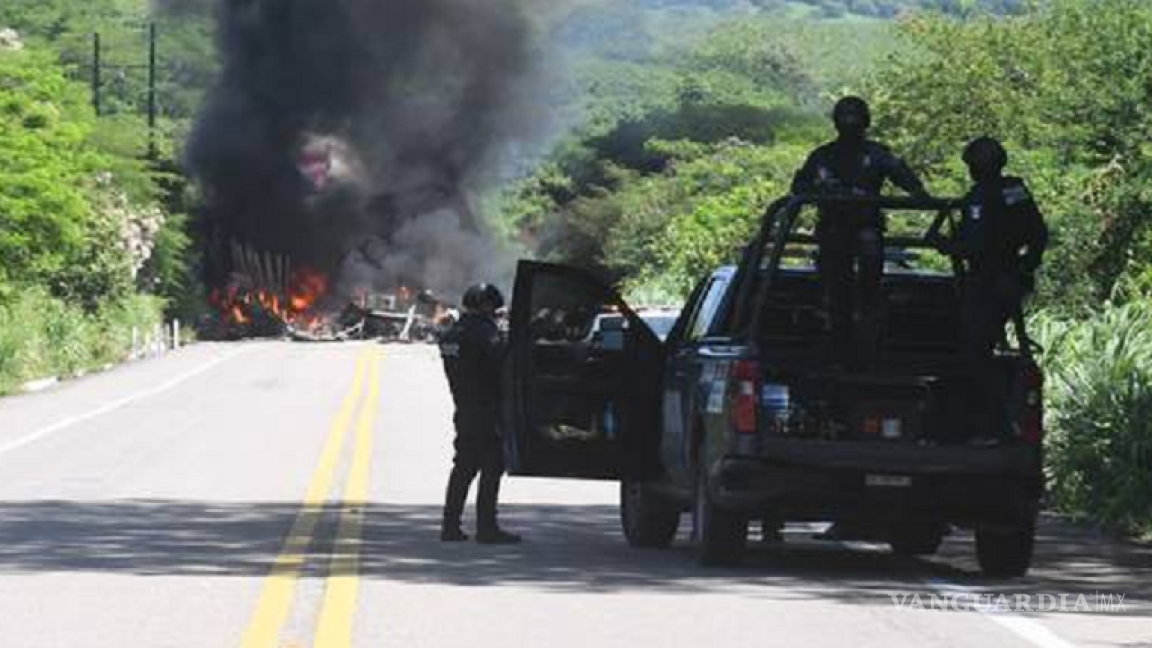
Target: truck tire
(916,539)
(1006,552)
(721,535)
(649,521)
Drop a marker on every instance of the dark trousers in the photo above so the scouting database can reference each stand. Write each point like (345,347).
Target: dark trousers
(985,313)
(989,302)
(851,265)
(479,451)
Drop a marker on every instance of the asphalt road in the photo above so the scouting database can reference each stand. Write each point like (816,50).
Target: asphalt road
(289,495)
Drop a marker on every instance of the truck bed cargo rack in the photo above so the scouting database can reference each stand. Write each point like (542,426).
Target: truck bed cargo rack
(762,261)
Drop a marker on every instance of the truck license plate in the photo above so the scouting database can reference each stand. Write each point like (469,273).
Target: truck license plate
(888,481)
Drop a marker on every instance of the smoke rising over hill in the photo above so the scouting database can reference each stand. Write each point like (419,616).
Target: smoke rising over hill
(353,135)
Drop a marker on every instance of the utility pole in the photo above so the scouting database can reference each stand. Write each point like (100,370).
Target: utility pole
(153,154)
(152,68)
(97,55)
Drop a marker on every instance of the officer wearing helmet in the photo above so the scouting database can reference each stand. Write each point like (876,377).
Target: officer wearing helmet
(1000,244)
(473,351)
(851,239)
(1000,241)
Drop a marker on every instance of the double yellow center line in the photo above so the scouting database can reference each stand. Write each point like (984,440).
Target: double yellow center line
(334,628)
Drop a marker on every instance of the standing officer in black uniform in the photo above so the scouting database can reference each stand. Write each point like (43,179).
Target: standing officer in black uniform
(851,239)
(1000,243)
(473,352)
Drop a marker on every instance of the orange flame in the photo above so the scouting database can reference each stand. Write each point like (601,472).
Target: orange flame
(308,286)
(238,315)
(243,307)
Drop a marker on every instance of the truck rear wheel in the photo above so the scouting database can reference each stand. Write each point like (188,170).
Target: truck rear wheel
(721,534)
(1006,551)
(649,521)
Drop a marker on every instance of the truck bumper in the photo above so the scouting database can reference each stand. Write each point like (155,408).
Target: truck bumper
(792,479)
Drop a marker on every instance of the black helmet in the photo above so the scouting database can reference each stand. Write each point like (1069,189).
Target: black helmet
(484,298)
(854,111)
(986,154)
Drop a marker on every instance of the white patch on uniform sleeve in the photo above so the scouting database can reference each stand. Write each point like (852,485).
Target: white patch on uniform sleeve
(1016,195)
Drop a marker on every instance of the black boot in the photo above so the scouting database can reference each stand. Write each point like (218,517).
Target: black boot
(487,529)
(449,533)
(458,483)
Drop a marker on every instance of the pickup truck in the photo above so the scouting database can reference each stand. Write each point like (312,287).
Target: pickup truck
(738,416)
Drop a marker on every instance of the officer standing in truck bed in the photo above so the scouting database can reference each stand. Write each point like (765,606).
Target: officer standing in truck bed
(851,239)
(1000,244)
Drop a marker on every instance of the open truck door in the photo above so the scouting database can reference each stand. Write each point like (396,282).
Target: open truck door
(582,393)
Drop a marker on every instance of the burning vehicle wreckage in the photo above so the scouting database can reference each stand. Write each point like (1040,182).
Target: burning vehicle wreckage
(266,298)
(364,294)
(339,156)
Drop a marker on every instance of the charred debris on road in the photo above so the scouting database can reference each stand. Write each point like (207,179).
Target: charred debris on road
(267,297)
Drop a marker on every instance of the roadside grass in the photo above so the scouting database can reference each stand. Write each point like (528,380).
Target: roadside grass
(1099,416)
(42,337)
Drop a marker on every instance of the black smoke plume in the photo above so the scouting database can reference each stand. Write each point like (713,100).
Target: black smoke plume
(353,136)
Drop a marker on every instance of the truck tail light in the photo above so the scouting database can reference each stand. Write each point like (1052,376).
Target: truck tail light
(746,396)
(1032,407)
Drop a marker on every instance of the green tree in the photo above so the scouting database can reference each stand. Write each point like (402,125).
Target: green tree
(1065,86)
(64,205)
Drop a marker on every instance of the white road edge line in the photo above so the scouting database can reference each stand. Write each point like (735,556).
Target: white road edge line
(1031,631)
(117,404)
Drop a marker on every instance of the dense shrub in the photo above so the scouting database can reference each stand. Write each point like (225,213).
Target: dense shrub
(42,336)
(1100,415)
